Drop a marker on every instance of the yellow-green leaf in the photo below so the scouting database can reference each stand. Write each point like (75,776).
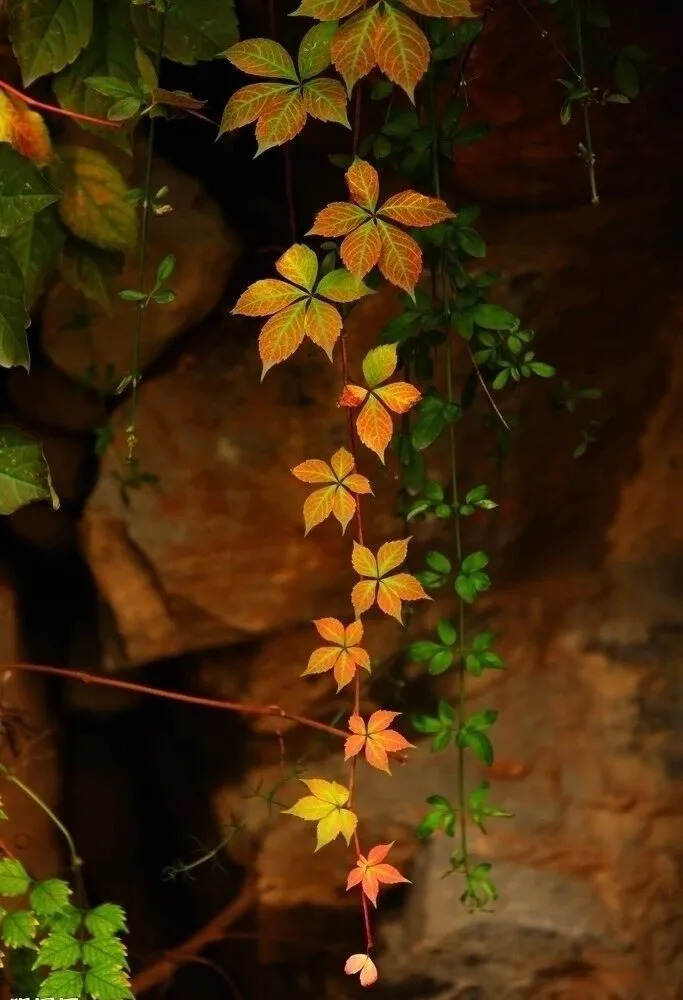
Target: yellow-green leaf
(262,57)
(314,51)
(326,100)
(24,477)
(93,203)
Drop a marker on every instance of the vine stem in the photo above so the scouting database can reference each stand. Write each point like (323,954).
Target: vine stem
(241,708)
(132,431)
(54,109)
(286,151)
(589,154)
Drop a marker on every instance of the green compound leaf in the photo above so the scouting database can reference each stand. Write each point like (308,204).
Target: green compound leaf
(23,190)
(65,983)
(14,879)
(13,315)
(94,205)
(24,477)
(19,929)
(50,896)
(108,918)
(47,35)
(106,982)
(36,247)
(105,949)
(195,29)
(58,951)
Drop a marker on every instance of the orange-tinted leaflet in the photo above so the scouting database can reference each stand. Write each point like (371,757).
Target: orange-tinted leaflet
(379,583)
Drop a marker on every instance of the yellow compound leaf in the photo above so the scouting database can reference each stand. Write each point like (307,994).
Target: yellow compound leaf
(337,219)
(399,396)
(247,103)
(391,554)
(354,46)
(363,183)
(94,203)
(266,297)
(326,100)
(443,8)
(414,209)
(325,806)
(374,426)
(327,10)
(401,50)
(262,57)
(361,249)
(313,470)
(314,50)
(24,130)
(401,258)
(281,335)
(379,364)
(323,325)
(298,264)
(318,506)
(282,118)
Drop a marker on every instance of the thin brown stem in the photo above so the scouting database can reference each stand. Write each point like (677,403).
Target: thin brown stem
(53,109)
(486,389)
(241,708)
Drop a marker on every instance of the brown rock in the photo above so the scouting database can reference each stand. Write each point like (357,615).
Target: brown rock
(80,336)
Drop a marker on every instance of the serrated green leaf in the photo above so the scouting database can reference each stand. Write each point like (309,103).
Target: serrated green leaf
(47,35)
(19,929)
(108,918)
(24,478)
(93,203)
(106,982)
(23,190)
(36,247)
(105,949)
(66,921)
(13,315)
(14,879)
(50,896)
(66,983)
(58,951)
(195,29)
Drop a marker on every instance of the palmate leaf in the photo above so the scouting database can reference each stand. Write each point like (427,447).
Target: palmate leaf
(36,246)
(47,35)
(23,190)
(195,29)
(24,477)
(325,806)
(94,205)
(387,588)
(13,315)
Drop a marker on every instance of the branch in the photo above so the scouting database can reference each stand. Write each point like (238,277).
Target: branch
(242,708)
(160,972)
(55,110)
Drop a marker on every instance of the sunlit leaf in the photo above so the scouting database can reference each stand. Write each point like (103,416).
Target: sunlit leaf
(106,982)
(365,966)
(281,335)
(24,130)
(414,209)
(325,805)
(314,50)
(19,929)
(64,983)
(323,325)
(443,8)
(299,264)
(326,100)
(247,103)
(361,249)
(379,364)
(266,297)
(46,35)
(363,183)
(376,738)
(58,950)
(401,258)
(283,117)
(50,896)
(337,219)
(388,590)
(353,46)
(401,49)
(14,879)
(262,57)
(341,286)
(107,918)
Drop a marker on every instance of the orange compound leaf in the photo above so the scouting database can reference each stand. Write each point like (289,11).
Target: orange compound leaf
(401,50)
(325,806)
(414,209)
(353,47)
(444,8)
(344,656)
(361,249)
(388,590)
(263,57)
(365,966)
(282,118)
(374,423)
(337,219)
(336,497)
(401,258)
(377,739)
(326,10)
(326,100)
(247,104)
(372,871)
(363,183)
(24,130)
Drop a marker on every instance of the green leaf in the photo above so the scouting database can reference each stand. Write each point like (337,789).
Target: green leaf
(441,661)
(13,315)
(438,562)
(495,318)
(106,982)
(108,918)
(441,740)
(479,743)
(166,268)
(425,723)
(47,35)
(104,950)
(501,379)
(14,879)
(482,641)
(441,816)
(66,983)
(23,190)
(93,203)
(482,720)
(36,247)
(626,76)
(112,86)
(19,929)
(111,53)
(446,713)
(314,51)
(88,270)
(475,561)
(471,242)
(446,632)
(429,422)
(195,29)
(465,588)
(66,921)
(50,896)
(423,650)
(540,368)
(58,951)
(24,477)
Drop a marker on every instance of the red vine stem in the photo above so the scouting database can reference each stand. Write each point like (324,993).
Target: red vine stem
(53,109)
(242,708)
